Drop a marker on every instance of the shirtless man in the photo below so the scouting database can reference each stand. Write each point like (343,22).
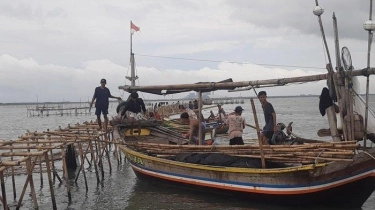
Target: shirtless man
(193,129)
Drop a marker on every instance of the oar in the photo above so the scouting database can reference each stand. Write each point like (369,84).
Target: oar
(251,126)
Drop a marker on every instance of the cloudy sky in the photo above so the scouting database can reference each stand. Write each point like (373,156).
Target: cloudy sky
(59,50)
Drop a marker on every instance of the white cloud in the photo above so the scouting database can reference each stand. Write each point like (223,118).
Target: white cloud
(60,50)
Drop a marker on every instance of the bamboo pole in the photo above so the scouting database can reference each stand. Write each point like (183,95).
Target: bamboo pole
(84,156)
(200,132)
(226,85)
(368,75)
(99,154)
(258,133)
(46,158)
(13,180)
(82,165)
(31,181)
(93,158)
(65,173)
(3,192)
(340,88)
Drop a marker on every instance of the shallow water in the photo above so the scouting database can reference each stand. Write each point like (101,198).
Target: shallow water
(122,190)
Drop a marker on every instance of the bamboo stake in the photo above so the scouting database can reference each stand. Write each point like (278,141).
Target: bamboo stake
(99,154)
(82,165)
(93,158)
(82,155)
(65,173)
(13,180)
(46,158)
(3,192)
(31,181)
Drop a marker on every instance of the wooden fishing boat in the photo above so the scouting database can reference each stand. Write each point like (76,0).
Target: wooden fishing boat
(340,173)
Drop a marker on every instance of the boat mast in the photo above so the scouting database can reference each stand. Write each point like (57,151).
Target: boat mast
(132,77)
(369,26)
(332,121)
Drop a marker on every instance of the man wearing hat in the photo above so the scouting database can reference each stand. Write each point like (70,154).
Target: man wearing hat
(102,95)
(236,125)
(269,116)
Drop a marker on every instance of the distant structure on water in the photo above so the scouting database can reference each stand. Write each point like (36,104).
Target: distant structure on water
(41,110)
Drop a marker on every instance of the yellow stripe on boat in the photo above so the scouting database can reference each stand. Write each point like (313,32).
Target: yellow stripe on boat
(221,168)
(136,132)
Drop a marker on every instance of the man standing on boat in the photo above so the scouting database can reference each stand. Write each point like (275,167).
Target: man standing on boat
(134,107)
(236,125)
(269,116)
(102,95)
(193,129)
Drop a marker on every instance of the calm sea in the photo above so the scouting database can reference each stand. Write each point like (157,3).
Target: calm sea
(122,189)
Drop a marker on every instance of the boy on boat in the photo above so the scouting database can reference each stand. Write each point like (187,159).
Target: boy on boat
(236,125)
(102,95)
(193,129)
(270,118)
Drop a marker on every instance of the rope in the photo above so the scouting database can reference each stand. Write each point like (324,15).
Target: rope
(237,62)
(371,111)
(369,154)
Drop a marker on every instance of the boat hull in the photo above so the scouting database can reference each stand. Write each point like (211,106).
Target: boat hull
(306,185)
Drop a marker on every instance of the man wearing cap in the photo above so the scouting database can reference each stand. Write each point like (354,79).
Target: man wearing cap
(102,95)
(236,125)
(269,116)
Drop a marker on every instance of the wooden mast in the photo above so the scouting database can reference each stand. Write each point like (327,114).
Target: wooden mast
(340,86)
(331,78)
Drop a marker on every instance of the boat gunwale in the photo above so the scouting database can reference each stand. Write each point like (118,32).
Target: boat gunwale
(223,168)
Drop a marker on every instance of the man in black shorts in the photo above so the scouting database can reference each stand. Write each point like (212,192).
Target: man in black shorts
(269,116)
(102,95)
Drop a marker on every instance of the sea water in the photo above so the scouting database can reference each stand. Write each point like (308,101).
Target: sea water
(122,190)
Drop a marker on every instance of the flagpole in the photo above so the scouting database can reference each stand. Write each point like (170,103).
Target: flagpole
(132,65)
(131,39)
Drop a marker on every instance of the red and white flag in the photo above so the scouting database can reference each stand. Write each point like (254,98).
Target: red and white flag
(133,28)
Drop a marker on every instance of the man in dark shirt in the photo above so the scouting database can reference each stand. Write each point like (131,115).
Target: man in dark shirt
(133,110)
(102,95)
(269,116)
(134,107)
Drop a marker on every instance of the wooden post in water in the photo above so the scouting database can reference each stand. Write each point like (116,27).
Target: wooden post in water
(46,158)
(106,138)
(31,181)
(258,133)
(13,179)
(83,165)
(93,158)
(3,192)
(65,170)
(99,154)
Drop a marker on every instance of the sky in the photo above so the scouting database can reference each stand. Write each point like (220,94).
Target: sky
(59,50)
